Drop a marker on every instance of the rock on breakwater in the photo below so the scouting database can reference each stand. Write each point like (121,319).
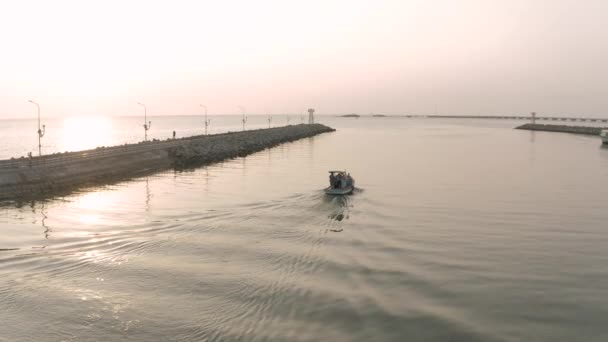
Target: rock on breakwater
(219,147)
(64,172)
(562,129)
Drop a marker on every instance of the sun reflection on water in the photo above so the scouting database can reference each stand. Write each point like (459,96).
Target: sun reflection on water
(86,132)
(88,208)
(88,219)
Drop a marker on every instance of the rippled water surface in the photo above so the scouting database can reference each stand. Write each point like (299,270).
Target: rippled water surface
(462,230)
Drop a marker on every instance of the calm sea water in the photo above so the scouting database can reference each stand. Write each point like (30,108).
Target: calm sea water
(462,230)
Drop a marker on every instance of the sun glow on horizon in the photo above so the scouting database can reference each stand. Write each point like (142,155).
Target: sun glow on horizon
(86,132)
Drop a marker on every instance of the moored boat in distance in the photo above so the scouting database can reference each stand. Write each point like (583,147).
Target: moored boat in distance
(340,183)
(604,136)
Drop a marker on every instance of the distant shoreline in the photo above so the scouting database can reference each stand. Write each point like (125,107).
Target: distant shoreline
(494,117)
(515,117)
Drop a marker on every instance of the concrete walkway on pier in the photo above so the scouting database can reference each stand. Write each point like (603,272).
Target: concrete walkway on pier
(63,172)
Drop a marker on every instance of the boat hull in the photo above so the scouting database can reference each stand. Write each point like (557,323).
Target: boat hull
(340,191)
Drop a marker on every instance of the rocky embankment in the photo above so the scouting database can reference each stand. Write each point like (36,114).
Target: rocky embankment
(35,177)
(562,129)
(224,146)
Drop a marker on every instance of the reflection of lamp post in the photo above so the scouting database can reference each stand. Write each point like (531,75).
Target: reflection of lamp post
(207,122)
(287,119)
(40,131)
(147,124)
(244,117)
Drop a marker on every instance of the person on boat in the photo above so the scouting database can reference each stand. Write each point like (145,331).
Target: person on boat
(332,179)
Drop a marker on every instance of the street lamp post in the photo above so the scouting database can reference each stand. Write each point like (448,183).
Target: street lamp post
(40,131)
(244,117)
(207,122)
(147,124)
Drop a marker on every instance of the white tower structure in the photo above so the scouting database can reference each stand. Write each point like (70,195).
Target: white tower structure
(311,115)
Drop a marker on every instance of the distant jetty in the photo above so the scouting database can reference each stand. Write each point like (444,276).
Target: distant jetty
(562,129)
(350,116)
(63,172)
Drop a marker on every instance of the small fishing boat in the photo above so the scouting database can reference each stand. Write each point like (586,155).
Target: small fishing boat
(604,136)
(340,183)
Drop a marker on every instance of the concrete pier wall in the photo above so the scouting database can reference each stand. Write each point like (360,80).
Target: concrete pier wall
(562,129)
(63,172)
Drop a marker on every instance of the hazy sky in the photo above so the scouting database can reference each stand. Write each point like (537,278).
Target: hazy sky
(393,57)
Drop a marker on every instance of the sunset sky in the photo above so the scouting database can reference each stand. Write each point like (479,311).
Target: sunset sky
(478,57)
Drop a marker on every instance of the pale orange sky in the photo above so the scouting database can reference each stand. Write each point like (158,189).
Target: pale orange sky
(394,57)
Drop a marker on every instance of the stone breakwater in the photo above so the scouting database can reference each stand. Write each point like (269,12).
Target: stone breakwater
(562,129)
(64,172)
